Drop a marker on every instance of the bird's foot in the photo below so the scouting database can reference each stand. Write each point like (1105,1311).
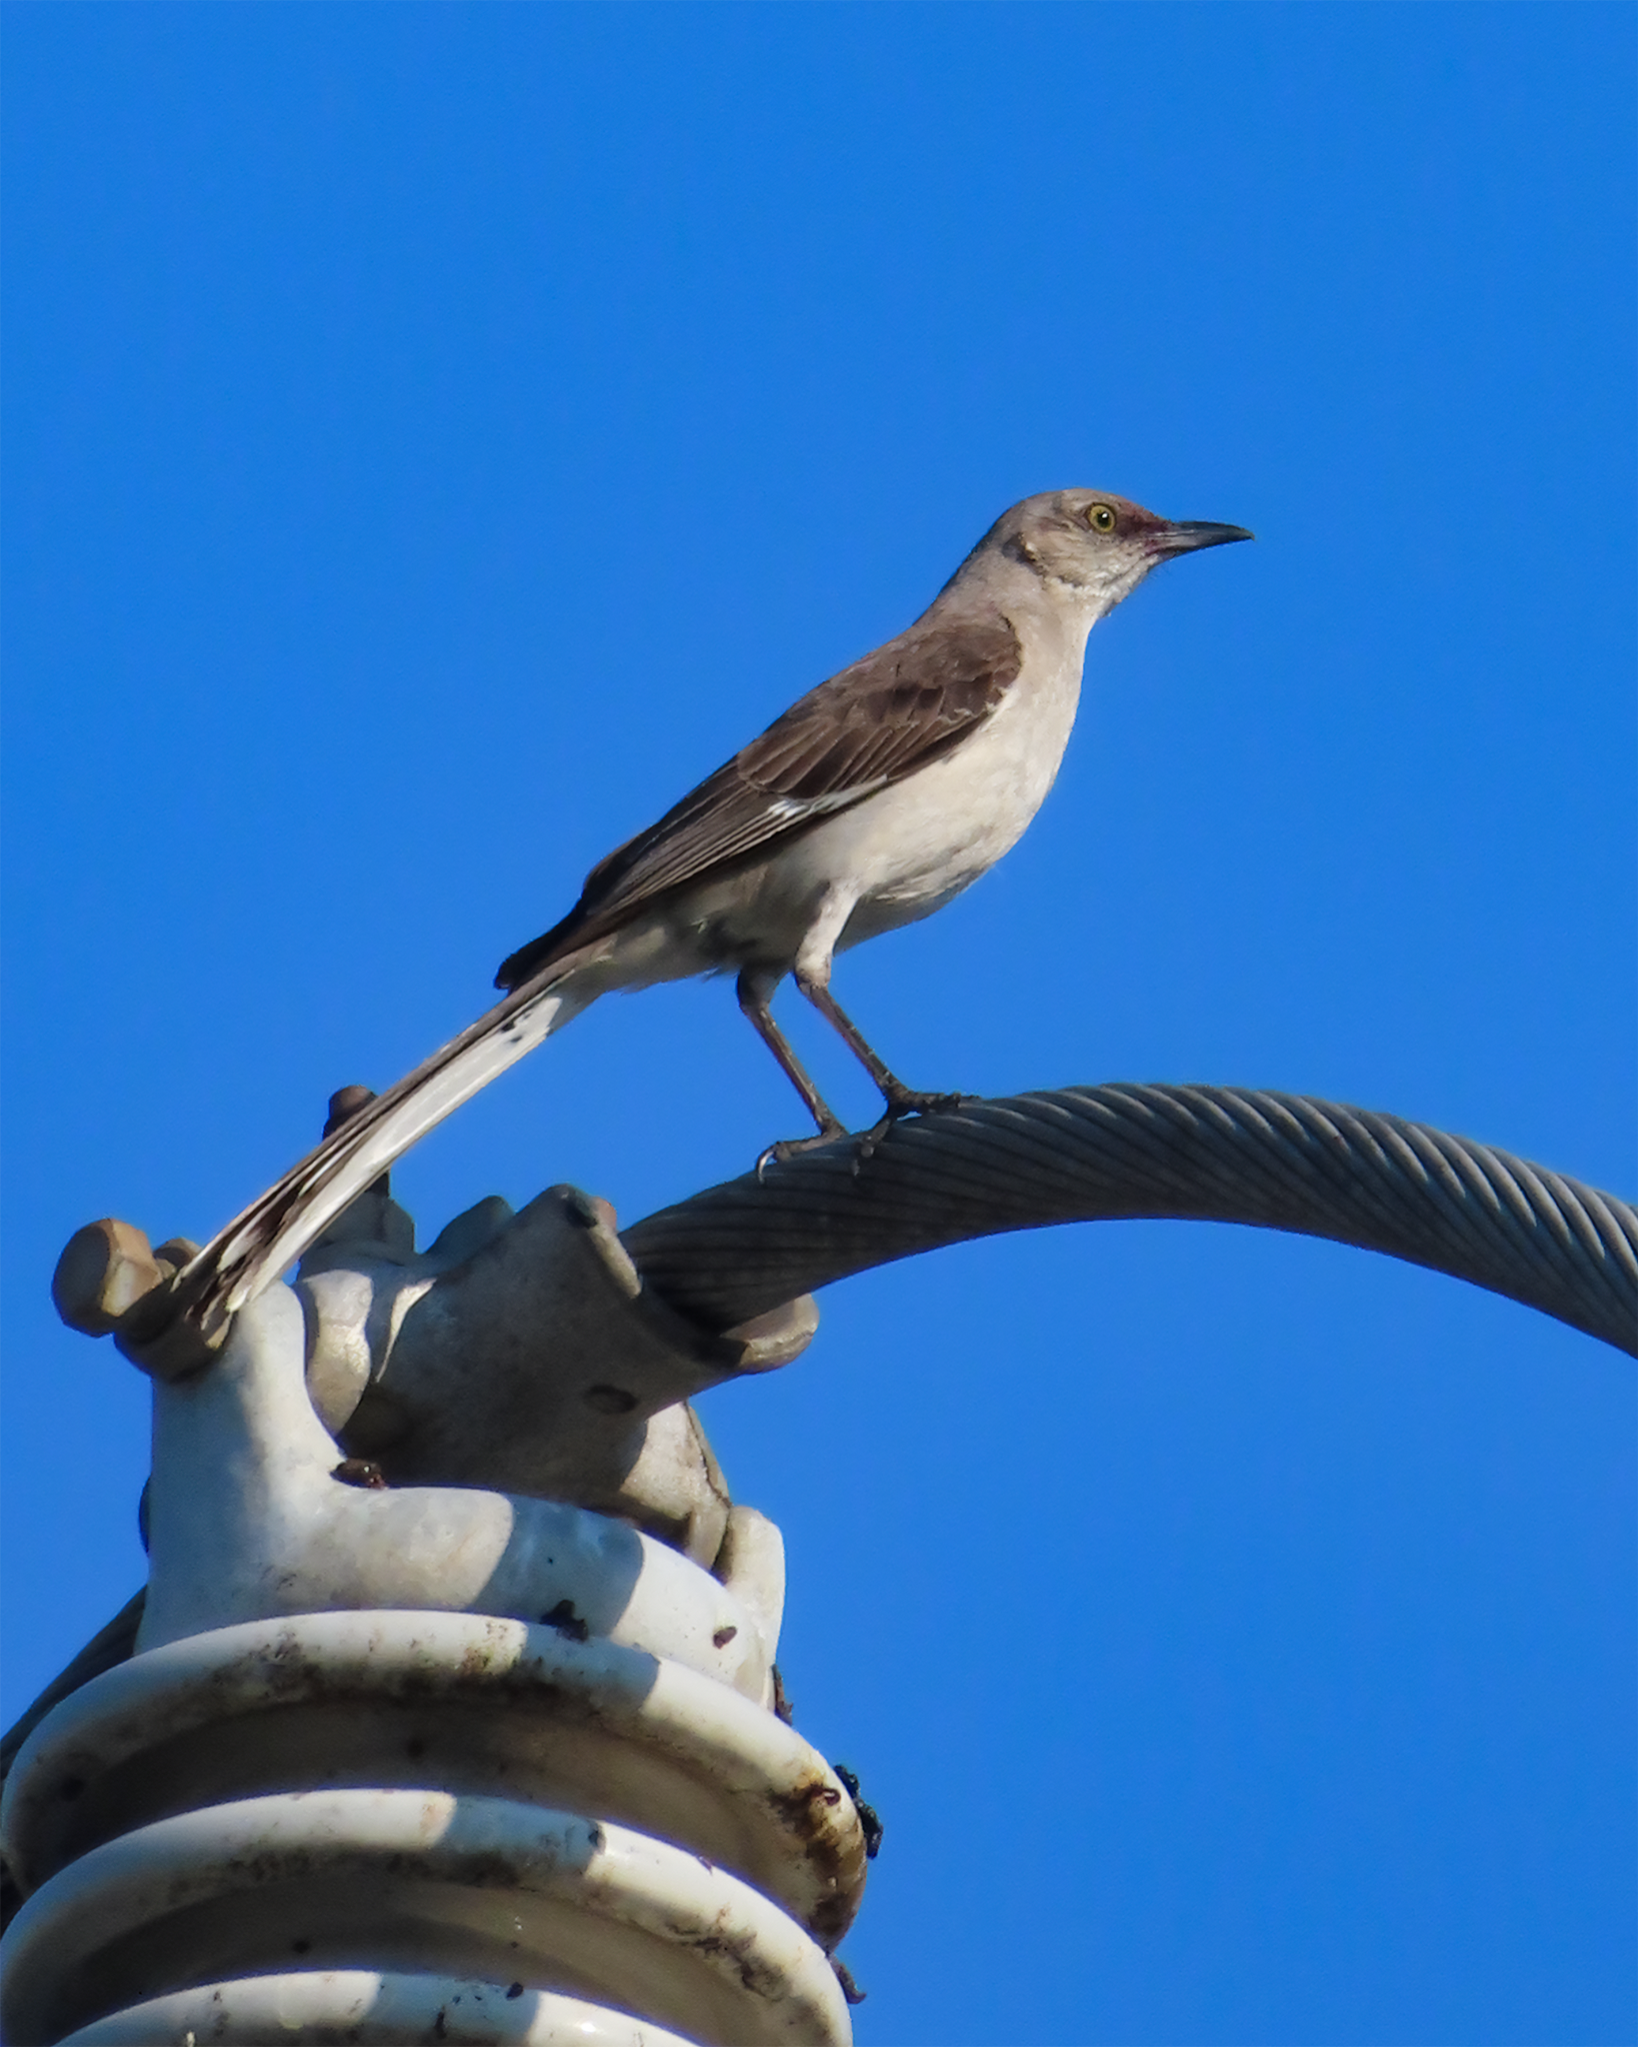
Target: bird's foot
(902,1102)
(906,1101)
(793,1147)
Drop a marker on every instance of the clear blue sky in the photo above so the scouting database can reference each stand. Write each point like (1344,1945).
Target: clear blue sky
(438,435)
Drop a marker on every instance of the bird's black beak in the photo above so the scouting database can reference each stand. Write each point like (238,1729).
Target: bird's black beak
(1183,536)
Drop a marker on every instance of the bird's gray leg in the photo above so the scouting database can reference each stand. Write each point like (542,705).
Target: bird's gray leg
(755,989)
(813,978)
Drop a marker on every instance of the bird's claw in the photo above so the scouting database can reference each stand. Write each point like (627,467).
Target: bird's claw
(910,1103)
(906,1103)
(864,1145)
(793,1147)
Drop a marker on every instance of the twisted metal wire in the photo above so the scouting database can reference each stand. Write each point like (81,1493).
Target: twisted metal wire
(1093,1154)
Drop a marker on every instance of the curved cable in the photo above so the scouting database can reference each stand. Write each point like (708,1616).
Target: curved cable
(1095,1154)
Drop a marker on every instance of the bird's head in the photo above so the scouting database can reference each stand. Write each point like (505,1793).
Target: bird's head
(1094,546)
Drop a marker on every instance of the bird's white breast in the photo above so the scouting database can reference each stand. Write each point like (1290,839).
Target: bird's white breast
(897,855)
(914,846)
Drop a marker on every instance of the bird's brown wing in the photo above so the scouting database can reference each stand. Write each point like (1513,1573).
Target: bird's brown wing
(895,711)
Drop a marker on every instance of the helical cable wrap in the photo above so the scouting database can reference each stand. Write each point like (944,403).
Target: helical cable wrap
(1126,1151)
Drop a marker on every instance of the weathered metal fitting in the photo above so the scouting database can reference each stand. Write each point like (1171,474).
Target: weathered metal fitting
(248,1518)
(532,1731)
(109,1282)
(585,1374)
(466,1733)
(161,1339)
(751,1563)
(105,1269)
(585,1377)
(375,1225)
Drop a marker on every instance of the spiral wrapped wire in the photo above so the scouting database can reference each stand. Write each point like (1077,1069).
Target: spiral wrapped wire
(1126,1151)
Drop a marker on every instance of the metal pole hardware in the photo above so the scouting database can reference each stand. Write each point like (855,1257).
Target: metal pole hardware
(450,1709)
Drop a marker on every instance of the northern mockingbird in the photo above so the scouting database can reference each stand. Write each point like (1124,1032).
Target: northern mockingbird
(873,801)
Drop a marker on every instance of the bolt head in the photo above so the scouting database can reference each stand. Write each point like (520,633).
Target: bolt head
(105,1269)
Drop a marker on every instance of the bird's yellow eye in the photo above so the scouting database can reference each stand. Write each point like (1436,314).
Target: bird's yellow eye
(1101,518)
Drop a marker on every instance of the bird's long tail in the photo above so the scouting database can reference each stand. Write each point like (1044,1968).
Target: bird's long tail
(273,1232)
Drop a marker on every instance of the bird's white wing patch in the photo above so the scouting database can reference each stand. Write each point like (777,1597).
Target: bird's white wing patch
(788,808)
